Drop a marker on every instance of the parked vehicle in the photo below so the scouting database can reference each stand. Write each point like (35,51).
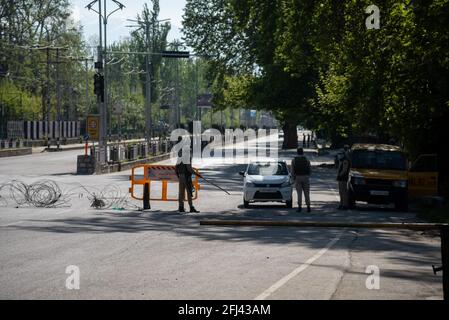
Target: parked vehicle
(266,181)
(380,174)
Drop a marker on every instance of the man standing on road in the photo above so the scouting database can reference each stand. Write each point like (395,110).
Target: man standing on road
(301,174)
(342,178)
(184,173)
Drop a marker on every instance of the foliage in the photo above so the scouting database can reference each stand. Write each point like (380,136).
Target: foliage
(315,63)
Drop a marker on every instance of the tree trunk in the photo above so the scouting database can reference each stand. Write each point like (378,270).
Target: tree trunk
(290,136)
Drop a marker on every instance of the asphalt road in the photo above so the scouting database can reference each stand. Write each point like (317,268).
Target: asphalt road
(161,254)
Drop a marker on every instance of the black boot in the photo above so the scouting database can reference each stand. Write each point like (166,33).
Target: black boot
(192,209)
(181,209)
(308,208)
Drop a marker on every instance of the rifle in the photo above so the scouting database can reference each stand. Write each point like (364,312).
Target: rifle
(217,186)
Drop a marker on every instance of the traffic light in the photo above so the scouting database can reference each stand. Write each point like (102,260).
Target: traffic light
(99,65)
(99,85)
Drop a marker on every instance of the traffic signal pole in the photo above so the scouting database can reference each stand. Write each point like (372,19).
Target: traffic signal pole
(101,139)
(102,99)
(148,120)
(104,120)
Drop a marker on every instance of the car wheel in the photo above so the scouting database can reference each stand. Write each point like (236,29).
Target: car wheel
(245,203)
(289,204)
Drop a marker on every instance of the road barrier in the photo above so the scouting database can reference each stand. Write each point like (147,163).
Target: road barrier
(442,227)
(151,173)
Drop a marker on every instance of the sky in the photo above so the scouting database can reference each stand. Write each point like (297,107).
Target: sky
(116,27)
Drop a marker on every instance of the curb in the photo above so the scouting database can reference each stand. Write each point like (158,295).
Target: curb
(4,153)
(318,224)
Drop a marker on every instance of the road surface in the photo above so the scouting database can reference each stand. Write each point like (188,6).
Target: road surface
(161,254)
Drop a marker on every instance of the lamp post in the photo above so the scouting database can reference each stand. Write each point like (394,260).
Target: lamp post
(103,105)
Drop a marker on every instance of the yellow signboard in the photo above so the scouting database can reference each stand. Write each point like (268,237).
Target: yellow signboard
(93,127)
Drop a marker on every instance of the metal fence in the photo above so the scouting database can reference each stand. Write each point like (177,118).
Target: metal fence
(129,151)
(38,130)
(12,143)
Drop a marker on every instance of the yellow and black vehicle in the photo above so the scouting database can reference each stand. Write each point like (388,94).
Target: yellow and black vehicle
(381,174)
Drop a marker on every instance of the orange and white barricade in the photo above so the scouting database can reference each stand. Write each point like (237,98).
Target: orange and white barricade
(155,174)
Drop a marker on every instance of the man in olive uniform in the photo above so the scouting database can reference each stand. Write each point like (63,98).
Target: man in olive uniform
(184,173)
(301,174)
(342,178)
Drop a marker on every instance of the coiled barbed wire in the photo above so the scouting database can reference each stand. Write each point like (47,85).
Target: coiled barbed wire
(48,194)
(110,196)
(42,194)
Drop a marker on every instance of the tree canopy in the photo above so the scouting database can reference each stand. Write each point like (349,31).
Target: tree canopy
(315,63)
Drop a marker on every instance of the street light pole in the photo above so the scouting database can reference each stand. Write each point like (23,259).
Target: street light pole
(105,103)
(103,106)
(87,88)
(148,119)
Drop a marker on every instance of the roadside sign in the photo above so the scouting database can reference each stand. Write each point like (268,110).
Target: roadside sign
(159,173)
(93,127)
(86,137)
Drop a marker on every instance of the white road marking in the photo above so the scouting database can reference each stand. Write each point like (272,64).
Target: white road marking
(298,270)
(302,267)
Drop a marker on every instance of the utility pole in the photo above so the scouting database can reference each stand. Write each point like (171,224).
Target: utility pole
(86,68)
(47,87)
(148,119)
(198,110)
(148,67)
(58,94)
(178,107)
(105,70)
(87,89)
(102,143)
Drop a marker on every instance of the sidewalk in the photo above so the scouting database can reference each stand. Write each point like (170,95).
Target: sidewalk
(77,146)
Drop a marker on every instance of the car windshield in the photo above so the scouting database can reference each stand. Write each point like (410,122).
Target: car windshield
(268,169)
(390,160)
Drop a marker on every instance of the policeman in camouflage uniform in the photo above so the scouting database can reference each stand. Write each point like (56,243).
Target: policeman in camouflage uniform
(342,178)
(301,174)
(184,173)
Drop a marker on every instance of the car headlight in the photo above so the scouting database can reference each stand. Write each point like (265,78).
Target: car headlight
(358,180)
(400,183)
(250,184)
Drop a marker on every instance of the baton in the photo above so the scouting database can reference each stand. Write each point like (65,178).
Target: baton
(212,183)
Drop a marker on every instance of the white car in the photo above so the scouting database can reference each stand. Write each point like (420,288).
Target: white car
(267,181)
